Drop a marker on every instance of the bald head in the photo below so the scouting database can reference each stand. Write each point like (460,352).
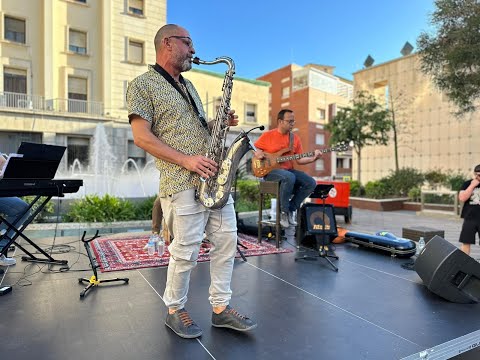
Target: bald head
(164,32)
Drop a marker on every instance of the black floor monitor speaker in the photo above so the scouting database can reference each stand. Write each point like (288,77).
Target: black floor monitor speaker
(449,272)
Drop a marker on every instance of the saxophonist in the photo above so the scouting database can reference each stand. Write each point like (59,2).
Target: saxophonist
(167,120)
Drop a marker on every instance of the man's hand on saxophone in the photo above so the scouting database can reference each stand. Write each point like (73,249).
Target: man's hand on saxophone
(200,164)
(232,119)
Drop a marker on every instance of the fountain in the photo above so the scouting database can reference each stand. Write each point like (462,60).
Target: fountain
(103,177)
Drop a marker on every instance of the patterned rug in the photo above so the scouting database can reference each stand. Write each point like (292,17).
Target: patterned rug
(125,251)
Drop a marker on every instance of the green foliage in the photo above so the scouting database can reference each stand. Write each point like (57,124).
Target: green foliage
(356,189)
(377,189)
(248,190)
(414,194)
(451,55)
(48,210)
(401,181)
(439,199)
(248,196)
(242,205)
(365,123)
(143,209)
(456,181)
(100,209)
(436,178)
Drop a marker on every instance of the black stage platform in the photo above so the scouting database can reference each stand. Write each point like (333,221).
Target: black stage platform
(371,309)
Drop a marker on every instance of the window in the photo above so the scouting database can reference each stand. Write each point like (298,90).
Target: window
(15,80)
(10,141)
(77,41)
(251,113)
(77,94)
(285,92)
(319,165)
(340,163)
(136,154)
(320,139)
(135,52)
(135,7)
(78,149)
(320,114)
(81,1)
(14,30)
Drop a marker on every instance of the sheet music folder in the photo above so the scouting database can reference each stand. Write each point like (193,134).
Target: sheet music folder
(39,161)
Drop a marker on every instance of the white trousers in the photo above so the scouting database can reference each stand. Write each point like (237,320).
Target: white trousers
(189,220)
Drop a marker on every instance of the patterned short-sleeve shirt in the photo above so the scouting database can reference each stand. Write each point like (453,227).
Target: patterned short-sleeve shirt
(174,121)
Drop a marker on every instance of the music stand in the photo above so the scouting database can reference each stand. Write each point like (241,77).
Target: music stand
(321,192)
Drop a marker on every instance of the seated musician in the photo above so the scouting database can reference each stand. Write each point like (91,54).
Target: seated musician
(10,209)
(295,185)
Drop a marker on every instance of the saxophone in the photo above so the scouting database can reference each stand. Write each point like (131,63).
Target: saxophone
(214,191)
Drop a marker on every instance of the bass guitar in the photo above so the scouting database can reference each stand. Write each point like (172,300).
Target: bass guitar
(261,167)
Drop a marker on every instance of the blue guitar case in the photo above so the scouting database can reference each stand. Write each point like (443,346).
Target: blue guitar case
(383,241)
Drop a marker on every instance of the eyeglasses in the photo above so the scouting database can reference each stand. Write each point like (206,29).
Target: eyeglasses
(291,122)
(185,39)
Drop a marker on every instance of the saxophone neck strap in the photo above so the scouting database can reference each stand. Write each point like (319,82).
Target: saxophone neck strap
(188,99)
(290,145)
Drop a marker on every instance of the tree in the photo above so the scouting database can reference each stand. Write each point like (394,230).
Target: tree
(451,56)
(365,123)
(397,106)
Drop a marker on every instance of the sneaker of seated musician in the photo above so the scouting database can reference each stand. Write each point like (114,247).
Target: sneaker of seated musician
(284,220)
(5,261)
(292,218)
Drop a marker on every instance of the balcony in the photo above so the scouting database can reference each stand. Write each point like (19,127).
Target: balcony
(39,103)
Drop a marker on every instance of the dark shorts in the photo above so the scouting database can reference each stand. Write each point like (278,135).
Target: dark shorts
(469,229)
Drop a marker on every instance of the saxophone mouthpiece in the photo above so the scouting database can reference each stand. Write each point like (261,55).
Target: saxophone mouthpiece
(196,60)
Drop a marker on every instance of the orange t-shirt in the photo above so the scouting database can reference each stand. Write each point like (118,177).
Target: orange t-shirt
(272,141)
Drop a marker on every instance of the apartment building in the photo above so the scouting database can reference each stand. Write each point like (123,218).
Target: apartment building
(66,65)
(314,93)
(430,137)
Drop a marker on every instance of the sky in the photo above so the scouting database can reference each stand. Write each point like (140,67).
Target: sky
(263,35)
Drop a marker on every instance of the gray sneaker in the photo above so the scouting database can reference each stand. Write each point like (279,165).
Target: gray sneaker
(6,261)
(182,325)
(284,220)
(292,218)
(230,318)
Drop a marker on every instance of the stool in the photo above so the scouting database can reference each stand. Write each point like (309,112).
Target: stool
(273,188)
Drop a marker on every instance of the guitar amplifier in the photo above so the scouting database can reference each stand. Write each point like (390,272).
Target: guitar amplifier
(316,221)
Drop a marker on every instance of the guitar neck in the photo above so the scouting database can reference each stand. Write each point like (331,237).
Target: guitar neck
(300,156)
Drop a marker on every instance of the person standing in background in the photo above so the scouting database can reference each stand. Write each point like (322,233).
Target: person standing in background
(470,196)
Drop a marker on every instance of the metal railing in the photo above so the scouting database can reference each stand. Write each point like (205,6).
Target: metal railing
(21,101)
(454,194)
(36,102)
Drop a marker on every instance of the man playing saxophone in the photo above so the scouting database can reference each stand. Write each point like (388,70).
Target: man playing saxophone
(167,119)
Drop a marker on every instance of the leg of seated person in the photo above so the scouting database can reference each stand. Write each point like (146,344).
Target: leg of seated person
(304,186)
(287,181)
(11,208)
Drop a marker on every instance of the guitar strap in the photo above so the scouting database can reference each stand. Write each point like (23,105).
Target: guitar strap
(290,145)
(188,99)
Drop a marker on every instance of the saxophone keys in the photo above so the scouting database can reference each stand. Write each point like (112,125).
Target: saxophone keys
(219,195)
(222,179)
(226,164)
(208,201)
